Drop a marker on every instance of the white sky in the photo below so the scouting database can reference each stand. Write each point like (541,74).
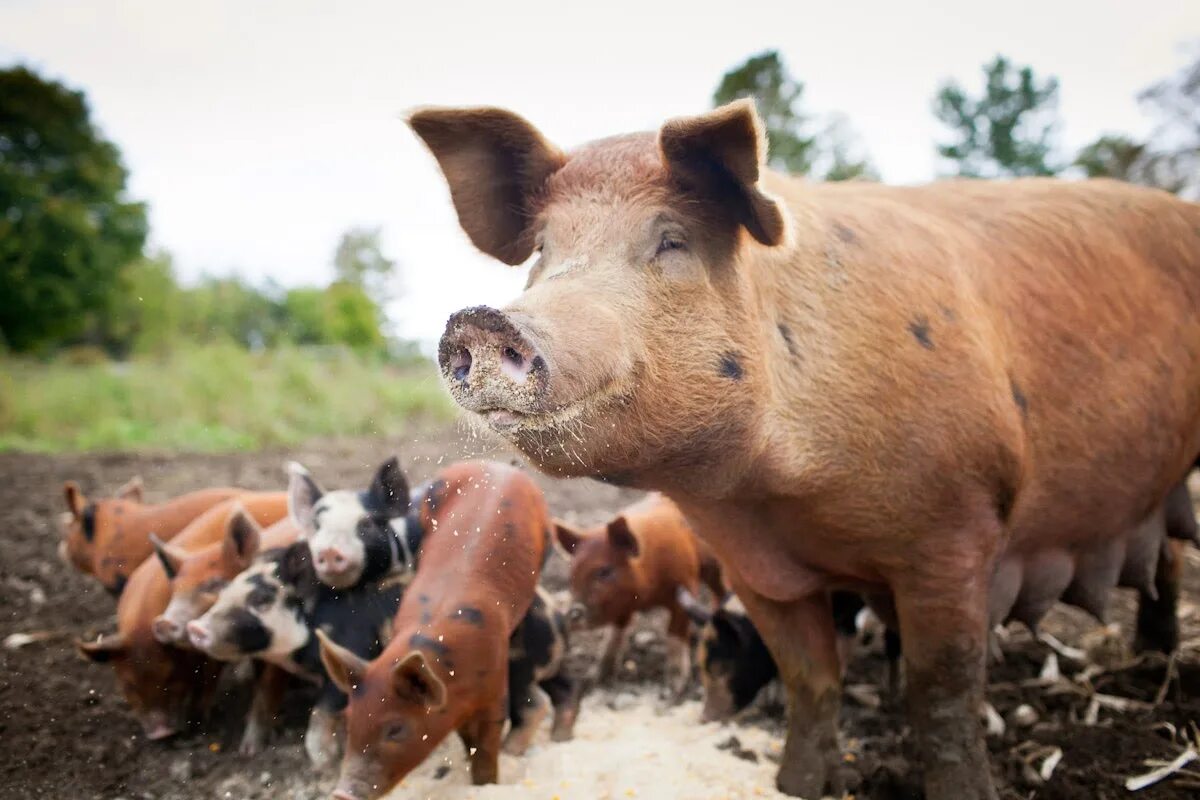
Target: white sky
(258,131)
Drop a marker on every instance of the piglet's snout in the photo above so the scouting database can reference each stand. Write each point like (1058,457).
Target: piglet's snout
(490,363)
(332,560)
(199,635)
(165,630)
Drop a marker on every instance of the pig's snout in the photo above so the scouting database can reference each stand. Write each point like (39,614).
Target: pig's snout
(166,630)
(332,560)
(156,726)
(199,635)
(490,363)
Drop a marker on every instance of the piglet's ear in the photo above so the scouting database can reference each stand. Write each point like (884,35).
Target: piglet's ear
(345,669)
(76,502)
(243,540)
(496,165)
(389,489)
(621,537)
(567,536)
(414,680)
(721,153)
(303,494)
(103,649)
(169,556)
(131,490)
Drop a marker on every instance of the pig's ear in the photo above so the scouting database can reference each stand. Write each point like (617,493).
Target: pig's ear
(621,537)
(567,536)
(131,490)
(169,556)
(103,649)
(303,494)
(414,680)
(389,489)
(496,164)
(345,669)
(692,606)
(76,502)
(722,153)
(243,539)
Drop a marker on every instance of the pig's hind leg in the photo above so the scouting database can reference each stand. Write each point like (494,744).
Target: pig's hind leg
(269,686)
(566,698)
(481,736)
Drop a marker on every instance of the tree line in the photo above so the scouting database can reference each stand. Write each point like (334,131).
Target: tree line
(74,268)
(1008,127)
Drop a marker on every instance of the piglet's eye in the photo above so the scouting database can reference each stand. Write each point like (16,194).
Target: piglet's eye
(605,574)
(395,732)
(670,242)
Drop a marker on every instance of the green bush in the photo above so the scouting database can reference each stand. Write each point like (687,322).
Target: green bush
(214,397)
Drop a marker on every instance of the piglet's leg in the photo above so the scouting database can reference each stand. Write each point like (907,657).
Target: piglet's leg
(801,637)
(481,734)
(1158,617)
(320,740)
(535,708)
(679,654)
(269,687)
(612,651)
(943,625)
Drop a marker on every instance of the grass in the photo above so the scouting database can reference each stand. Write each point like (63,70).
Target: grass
(209,399)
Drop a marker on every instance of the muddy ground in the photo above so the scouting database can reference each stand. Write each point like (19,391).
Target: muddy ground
(64,732)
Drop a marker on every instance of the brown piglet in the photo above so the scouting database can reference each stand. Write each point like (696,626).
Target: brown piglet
(446,668)
(163,684)
(110,537)
(636,562)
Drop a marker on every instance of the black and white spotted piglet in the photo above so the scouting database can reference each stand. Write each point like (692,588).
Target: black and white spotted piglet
(537,676)
(356,536)
(271,611)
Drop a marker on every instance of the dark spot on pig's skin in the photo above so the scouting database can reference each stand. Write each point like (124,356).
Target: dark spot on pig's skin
(845,233)
(470,615)
(1019,398)
(247,632)
(441,772)
(426,616)
(786,333)
(948,313)
(730,367)
(423,599)
(419,641)
(920,330)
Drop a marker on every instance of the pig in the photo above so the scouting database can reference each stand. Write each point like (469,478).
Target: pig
(446,667)
(198,577)
(270,612)
(165,685)
(109,538)
(736,665)
(538,681)
(634,563)
(352,534)
(965,400)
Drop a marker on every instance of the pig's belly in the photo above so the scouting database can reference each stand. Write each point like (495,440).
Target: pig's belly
(1028,581)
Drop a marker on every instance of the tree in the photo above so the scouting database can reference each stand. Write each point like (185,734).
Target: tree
(1009,130)
(66,227)
(359,261)
(831,154)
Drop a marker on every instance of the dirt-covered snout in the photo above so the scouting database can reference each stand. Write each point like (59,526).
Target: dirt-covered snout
(492,365)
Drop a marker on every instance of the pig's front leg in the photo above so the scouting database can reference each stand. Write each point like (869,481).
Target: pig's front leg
(679,654)
(802,639)
(944,628)
(482,734)
(320,740)
(269,686)
(612,651)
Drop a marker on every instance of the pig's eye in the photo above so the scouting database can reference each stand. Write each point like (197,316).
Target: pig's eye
(605,574)
(670,242)
(395,732)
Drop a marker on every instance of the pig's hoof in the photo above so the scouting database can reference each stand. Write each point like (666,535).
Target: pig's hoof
(250,746)
(562,735)
(805,782)
(515,745)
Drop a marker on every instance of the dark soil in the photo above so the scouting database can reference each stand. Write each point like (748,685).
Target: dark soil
(64,731)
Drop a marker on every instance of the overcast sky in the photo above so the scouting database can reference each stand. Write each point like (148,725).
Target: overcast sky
(258,131)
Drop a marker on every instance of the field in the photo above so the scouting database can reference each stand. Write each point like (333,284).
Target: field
(65,734)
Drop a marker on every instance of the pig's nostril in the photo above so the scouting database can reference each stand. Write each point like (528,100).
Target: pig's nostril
(513,357)
(460,364)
